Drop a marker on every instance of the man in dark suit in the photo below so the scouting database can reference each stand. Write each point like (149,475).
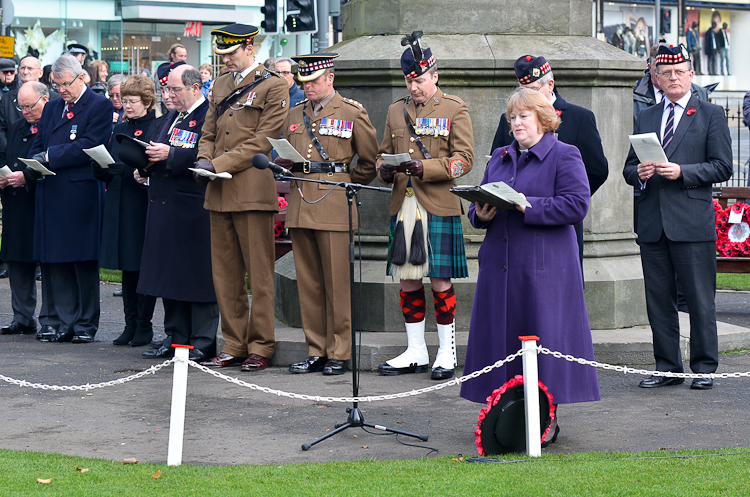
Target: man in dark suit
(68,205)
(578,126)
(176,260)
(18,216)
(676,223)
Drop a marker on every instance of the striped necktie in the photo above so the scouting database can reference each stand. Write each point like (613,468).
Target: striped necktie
(179,119)
(668,129)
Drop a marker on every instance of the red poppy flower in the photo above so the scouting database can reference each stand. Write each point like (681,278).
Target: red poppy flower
(558,112)
(192,123)
(691,111)
(293,127)
(69,115)
(137,132)
(34,129)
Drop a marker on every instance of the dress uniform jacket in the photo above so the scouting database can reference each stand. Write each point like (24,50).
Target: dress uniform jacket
(331,214)
(232,140)
(18,203)
(176,262)
(68,215)
(578,128)
(452,155)
(125,203)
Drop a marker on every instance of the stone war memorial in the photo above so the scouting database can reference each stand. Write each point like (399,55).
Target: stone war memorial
(476,43)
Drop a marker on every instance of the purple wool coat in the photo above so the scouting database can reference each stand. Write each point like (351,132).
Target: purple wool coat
(530,277)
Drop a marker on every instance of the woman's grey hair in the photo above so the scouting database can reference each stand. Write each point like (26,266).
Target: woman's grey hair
(67,63)
(115,80)
(191,77)
(40,88)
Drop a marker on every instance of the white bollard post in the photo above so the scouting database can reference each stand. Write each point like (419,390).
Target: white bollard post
(531,396)
(179,394)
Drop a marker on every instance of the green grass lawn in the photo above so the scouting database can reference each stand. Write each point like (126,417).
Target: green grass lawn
(111,275)
(694,472)
(733,281)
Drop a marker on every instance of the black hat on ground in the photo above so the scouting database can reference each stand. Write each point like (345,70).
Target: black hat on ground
(502,424)
(312,66)
(415,61)
(529,68)
(132,152)
(230,38)
(162,72)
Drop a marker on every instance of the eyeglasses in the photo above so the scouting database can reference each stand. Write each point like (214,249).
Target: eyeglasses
(23,109)
(57,86)
(175,89)
(115,96)
(131,101)
(668,74)
(285,73)
(12,71)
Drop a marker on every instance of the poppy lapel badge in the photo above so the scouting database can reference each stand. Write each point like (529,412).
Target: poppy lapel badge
(69,115)
(293,127)
(34,129)
(192,123)
(137,132)
(558,112)
(691,111)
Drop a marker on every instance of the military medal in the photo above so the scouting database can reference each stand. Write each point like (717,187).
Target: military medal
(73,131)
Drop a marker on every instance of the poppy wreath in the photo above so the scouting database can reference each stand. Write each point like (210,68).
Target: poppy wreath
(494,398)
(732,240)
(278,226)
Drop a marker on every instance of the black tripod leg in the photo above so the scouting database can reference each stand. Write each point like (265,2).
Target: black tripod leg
(327,435)
(393,430)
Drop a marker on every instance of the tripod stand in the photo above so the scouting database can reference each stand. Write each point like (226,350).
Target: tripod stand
(355,418)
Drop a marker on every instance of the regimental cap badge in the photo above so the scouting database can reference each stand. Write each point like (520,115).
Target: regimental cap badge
(529,68)
(230,38)
(536,72)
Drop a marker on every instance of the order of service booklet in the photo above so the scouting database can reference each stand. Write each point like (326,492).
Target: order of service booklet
(497,194)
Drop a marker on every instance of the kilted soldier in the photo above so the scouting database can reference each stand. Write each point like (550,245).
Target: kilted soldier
(329,131)
(426,237)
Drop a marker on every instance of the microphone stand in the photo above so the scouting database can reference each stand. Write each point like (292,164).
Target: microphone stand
(355,418)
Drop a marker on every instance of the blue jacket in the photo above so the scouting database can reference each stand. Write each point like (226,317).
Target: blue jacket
(68,206)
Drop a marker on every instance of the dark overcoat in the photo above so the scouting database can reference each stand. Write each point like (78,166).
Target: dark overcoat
(68,214)
(529,279)
(176,261)
(18,203)
(9,113)
(125,202)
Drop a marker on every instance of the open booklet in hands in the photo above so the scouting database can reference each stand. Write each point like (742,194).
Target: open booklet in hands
(497,194)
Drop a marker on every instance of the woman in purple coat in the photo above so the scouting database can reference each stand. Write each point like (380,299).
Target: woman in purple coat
(529,274)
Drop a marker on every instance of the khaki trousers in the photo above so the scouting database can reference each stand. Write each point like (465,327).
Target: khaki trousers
(321,259)
(242,242)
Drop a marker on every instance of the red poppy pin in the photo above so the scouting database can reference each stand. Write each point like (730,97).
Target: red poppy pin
(192,123)
(34,130)
(137,132)
(558,112)
(691,111)
(293,127)
(69,115)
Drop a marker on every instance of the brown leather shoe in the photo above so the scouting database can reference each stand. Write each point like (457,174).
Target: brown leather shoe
(223,360)
(254,362)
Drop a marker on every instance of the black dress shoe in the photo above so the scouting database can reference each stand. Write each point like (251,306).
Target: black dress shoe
(197,355)
(660,381)
(16,328)
(702,384)
(117,293)
(334,367)
(3,273)
(45,331)
(442,373)
(83,338)
(388,370)
(59,337)
(312,364)
(125,338)
(160,353)
(155,344)
(38,274)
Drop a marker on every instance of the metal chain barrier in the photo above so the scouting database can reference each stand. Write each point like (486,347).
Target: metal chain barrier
(88,386)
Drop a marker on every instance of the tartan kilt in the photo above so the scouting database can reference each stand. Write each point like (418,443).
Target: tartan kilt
(446,247)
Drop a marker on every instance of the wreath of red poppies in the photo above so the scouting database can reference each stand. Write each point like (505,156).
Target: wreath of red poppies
(493,399)
(732,240)
(278,226)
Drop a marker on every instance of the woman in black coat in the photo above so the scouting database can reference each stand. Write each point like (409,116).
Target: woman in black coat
(125,207)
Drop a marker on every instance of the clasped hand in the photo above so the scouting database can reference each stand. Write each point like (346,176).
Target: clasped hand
(667,170)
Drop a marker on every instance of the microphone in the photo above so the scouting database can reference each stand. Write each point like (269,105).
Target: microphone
(260,161)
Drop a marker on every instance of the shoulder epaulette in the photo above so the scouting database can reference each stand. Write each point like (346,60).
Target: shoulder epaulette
(453,98)
(352,102)
(271,71)
(300,102)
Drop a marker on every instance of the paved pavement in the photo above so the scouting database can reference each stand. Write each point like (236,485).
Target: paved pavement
(228,424)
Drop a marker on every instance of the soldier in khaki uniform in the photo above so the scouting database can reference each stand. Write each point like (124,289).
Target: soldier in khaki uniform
(248,104)
(434,128)
(319,231)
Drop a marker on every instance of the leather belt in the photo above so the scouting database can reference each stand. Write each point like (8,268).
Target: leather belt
(320,167)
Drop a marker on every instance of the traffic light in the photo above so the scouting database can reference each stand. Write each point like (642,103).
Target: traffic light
(270,23)
(666,21)
(301,16)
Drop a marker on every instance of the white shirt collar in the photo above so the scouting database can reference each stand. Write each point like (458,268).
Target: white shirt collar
(247,71)
(196,105)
